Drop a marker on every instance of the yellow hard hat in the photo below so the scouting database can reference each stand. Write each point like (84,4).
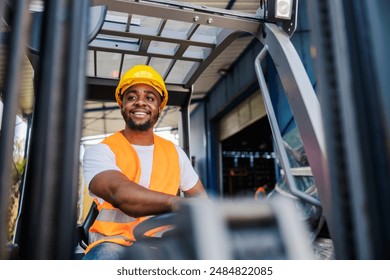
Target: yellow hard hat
(142,74)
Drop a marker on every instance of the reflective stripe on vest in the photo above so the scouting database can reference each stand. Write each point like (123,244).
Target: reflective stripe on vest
(114,215)
(97,236)
(113,225)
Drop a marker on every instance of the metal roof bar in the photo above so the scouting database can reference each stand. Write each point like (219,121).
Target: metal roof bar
(188,13)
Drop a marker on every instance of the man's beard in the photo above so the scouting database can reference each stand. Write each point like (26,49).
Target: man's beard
(140,127)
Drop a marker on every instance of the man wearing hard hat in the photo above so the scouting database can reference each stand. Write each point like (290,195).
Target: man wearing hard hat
(135,173)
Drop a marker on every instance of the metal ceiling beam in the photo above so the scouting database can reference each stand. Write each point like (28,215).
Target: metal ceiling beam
(15,49)
(225,39)
(50,193)
(230,5)
(188,13)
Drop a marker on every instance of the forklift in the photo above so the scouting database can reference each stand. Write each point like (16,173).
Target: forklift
(346,195)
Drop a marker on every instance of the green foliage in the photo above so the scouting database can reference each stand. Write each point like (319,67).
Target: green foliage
(19,163)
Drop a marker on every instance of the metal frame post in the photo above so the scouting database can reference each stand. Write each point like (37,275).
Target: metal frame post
(16,47)
(48,223)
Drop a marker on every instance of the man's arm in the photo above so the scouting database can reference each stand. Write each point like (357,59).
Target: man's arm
(131,198)
(196,191)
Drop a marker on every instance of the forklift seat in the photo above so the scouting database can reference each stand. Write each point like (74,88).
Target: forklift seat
(83,229)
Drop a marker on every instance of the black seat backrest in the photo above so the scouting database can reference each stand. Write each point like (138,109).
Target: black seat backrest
(83,229)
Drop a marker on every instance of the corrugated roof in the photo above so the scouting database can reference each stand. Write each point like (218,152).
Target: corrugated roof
(175,48)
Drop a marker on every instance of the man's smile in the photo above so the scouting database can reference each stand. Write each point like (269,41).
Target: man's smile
(140,114)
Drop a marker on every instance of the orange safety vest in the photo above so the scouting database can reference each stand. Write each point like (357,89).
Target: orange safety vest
(111,224)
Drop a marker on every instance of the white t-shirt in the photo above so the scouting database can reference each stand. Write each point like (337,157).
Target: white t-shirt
(99,158)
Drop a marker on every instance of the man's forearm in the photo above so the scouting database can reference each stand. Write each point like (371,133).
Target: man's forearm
(129,197)
(144,202)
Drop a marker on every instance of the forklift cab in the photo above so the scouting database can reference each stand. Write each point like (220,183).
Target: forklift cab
(182,41)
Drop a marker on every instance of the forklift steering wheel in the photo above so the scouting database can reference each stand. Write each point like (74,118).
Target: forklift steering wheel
(159,223)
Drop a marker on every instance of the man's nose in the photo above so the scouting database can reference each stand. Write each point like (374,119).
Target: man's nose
(140,102)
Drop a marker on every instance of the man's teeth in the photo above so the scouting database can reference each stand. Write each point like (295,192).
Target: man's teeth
(139,113)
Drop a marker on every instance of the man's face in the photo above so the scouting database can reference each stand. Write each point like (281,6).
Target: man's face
(141,107)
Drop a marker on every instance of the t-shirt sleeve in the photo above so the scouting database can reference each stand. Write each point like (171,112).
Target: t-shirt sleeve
(188,176)
(98,158)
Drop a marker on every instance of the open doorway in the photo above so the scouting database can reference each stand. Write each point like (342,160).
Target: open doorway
(248,161)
